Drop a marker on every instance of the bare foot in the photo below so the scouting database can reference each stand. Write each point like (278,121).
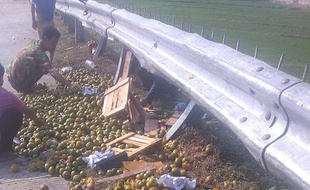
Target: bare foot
(7,156)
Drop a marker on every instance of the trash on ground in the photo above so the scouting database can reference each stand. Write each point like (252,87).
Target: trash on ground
(17,141)
(176,182)
(92,159)
(89,91)
(69,48)
(180,106)
(48,153)
(90,63)
(66,69)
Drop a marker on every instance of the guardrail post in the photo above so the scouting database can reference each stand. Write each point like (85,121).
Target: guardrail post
(304,76)
(256,52)
(280,62)
(100,48)
(237,47)
(121,63)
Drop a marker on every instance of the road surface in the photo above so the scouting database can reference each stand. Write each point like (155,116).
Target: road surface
(15,33)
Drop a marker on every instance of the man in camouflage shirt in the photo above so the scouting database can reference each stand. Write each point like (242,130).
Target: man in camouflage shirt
(30,64)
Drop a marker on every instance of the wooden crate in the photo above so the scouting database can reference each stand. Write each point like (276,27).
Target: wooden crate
(116,98)
(140,143)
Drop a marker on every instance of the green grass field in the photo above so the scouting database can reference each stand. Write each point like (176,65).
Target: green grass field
(276,29)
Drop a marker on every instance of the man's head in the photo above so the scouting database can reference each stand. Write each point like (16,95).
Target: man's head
(1,74)
(50,38)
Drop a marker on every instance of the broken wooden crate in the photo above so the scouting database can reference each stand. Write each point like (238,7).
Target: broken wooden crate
(119,98)
(137,143)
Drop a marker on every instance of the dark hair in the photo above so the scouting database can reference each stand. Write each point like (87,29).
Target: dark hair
(50,32)
(1,70)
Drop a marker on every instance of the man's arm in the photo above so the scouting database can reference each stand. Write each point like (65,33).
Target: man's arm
(34,22)
(60,79)
(32,115)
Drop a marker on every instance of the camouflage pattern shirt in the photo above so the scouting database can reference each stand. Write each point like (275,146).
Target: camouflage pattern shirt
(26,61)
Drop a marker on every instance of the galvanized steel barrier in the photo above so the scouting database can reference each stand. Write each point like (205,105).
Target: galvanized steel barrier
(269,110)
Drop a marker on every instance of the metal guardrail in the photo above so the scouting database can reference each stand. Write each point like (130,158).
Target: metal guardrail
(269,110)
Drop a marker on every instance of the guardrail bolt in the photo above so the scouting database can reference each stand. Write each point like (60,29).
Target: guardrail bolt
(268,115)
(259,69)
(243,119)
(266,137)
(285,81)
(251,91)
(276,105)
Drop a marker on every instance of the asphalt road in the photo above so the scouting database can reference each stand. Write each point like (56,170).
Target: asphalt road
(15,33)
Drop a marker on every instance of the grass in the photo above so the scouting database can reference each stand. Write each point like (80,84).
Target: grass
(275,28)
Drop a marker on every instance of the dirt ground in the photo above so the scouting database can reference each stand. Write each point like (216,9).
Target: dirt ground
(229,162)
(226,164)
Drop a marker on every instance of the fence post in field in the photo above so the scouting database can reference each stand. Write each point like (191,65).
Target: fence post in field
(190,28)
(173,21)
(304,76)
(256,52)
(167,19)
(155,16)
(75,33)
(202,31)
(224,39)
(182,25)
(212,35)
(160,17)
(150,14)
(280,62)
(131,8)
(237,47)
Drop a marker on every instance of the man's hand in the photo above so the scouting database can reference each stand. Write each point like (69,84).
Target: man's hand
(39,121)
(74,88)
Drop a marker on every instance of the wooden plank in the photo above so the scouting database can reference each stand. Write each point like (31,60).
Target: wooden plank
(121,83)
(133,112)
(115,99)
(141,138)
(138,106)
(120,139)
(173,119)
(151,125)
(143,148)
(135,143)
(130,165)
(126,66)
(142,143)
(128,174)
